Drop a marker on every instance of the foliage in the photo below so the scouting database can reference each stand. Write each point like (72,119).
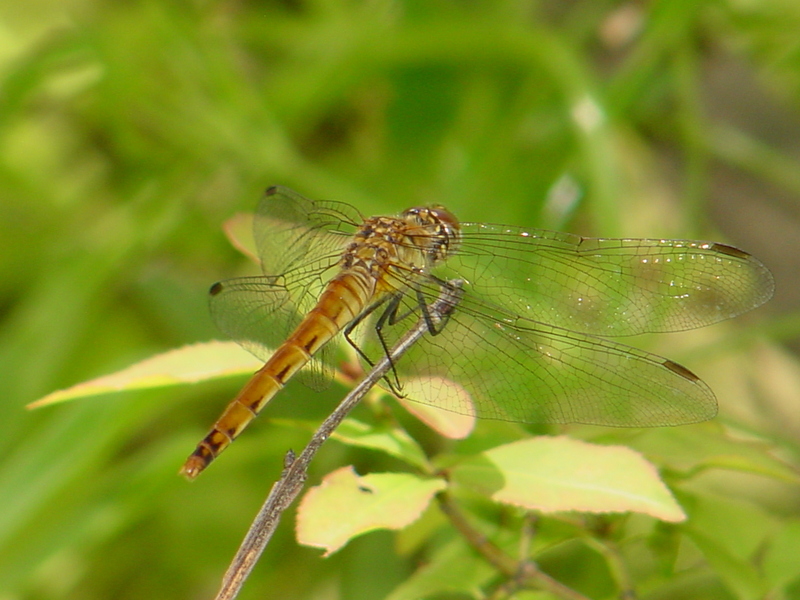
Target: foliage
(130,131)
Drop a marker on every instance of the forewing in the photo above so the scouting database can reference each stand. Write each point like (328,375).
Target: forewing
(297,237)
(608,287)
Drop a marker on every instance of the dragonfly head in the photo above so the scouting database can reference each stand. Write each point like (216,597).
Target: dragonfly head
(439,232)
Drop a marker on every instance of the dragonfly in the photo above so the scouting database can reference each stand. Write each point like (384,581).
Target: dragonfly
(528,340)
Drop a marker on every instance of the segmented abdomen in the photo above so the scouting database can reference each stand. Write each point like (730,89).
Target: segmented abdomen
(343,299)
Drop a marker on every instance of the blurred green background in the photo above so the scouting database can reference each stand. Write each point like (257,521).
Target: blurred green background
(129,131)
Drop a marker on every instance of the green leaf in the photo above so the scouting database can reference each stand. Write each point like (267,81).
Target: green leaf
(554,474)
(189,364)
(739,575)
(452,568)
(708,445)
(345,506)
(730,532)
(781,566)
(392,441)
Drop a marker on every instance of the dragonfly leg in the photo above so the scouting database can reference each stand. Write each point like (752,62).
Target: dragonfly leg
(434,329)
(390,315)
(355,323)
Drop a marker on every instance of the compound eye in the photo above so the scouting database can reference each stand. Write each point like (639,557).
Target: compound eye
(439,214)
(444,216)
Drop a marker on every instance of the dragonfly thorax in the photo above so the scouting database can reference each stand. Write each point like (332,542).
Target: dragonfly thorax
(417,240)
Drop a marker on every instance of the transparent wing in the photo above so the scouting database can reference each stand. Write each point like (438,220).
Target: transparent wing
(608,287)
(296,236)
(299,242)
(532,372)
(246,310)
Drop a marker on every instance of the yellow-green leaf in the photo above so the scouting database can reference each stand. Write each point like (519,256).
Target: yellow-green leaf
(188,364)
(346,505)
(554,474)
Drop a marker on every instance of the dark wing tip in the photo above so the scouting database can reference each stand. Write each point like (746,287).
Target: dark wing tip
(681,370)
(731,251)
(215,289)
(709,405)
(766,282)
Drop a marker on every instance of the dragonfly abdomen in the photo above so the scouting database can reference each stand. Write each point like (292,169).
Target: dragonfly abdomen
(343,299)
